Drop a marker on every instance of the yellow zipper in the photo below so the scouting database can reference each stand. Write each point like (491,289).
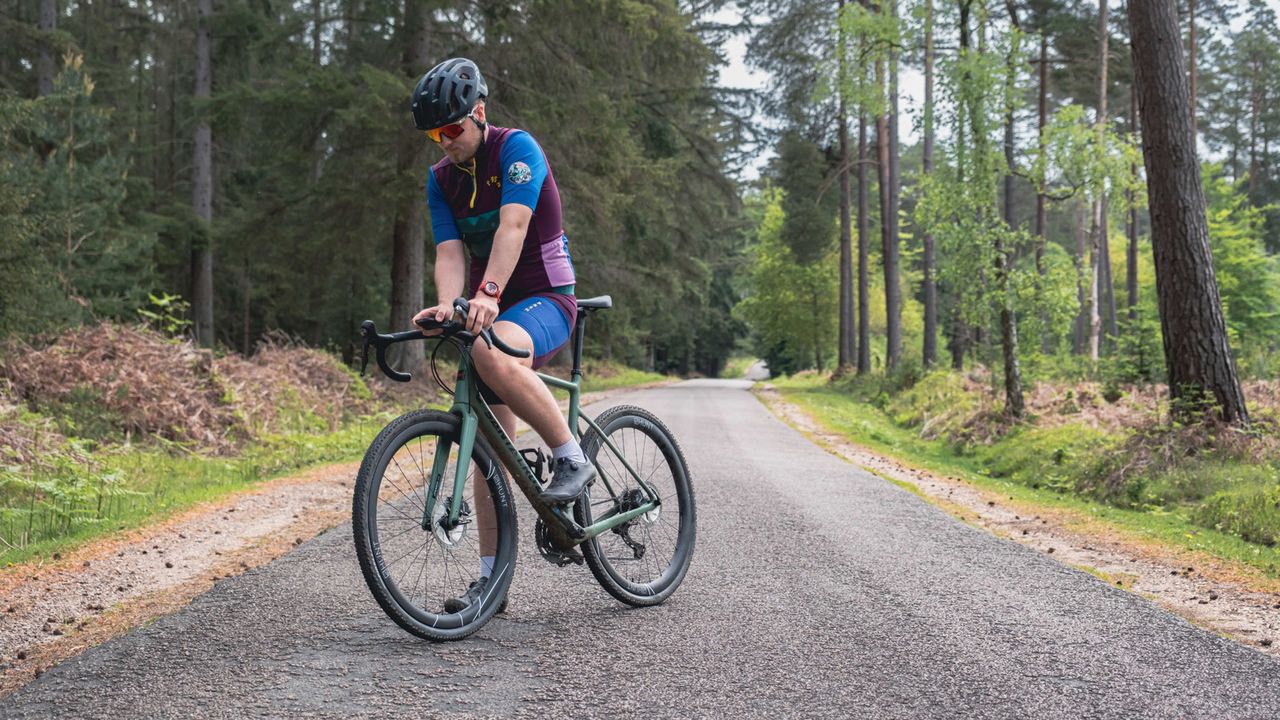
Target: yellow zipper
(475,187)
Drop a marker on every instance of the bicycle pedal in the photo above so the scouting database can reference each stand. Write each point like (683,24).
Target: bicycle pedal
(569,556)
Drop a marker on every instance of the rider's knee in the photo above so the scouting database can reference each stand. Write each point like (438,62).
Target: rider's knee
(491,363)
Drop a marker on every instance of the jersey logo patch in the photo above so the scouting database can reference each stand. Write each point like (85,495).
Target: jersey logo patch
(519,173)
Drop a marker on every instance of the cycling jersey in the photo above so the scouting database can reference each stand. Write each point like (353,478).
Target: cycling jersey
(465,200)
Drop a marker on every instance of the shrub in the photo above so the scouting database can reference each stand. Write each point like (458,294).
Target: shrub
(1252,512)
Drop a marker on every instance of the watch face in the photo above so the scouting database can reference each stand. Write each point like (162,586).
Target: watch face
(491,288)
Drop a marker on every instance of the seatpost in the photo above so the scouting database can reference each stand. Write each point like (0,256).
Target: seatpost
(578,333)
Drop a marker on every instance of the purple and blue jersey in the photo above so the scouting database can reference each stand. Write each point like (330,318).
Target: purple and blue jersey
(465,202)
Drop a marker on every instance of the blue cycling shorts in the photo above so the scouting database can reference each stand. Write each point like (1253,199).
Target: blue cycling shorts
(545,318)
(549,321)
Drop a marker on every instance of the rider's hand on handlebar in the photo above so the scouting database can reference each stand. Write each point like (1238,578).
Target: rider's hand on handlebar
(438,313)
(482,313)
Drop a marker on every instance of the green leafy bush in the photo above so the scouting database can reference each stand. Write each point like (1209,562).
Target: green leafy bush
(1251,511)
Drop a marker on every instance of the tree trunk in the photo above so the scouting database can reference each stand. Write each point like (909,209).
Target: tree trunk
(1131,259)
(1009,99)
(1080,336)
(893,310)
(1095,280)
(959,339)
(1191,64)
(1255,101)
(408,253)
(1109,324)
(246,289)
(888,227)
(1196,350)
(864,239)
(930,282)
(1014,406)
(1042,198)
(1098,261)
(202,186)
(45,63)
(845,349)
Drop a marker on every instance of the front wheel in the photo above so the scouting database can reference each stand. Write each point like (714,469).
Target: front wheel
(416,563)
(643,561)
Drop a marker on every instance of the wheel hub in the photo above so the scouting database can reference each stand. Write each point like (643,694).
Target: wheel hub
(635,498)
(445,535)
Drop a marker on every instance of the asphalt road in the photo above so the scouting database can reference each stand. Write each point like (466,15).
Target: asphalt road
(816,590)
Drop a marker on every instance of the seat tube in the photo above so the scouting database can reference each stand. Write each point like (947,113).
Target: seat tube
(578,333)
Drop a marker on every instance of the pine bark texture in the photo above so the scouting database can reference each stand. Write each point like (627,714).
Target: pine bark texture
(408,252)
(202,186)
(1194,331)
(1191,62)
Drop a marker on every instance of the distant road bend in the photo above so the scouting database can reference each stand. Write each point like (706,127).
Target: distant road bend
(817,590)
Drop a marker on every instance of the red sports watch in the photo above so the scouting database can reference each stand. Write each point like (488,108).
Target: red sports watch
(491,289)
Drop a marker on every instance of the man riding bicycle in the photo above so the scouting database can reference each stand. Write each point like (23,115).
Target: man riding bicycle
(495,192)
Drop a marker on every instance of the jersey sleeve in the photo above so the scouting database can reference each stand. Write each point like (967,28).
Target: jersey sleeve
(524,168)
(443,226)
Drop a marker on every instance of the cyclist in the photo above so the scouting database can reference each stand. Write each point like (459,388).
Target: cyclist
(494,193)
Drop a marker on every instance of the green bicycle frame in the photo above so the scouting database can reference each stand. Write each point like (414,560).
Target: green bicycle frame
(476,416)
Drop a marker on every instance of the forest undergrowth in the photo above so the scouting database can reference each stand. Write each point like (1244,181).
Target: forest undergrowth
(111,426)
(1115,444)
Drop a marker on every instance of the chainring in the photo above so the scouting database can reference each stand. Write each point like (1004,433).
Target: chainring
(550,552)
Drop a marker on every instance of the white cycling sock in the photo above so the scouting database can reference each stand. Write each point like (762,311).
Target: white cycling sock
(486,566)
(571,450)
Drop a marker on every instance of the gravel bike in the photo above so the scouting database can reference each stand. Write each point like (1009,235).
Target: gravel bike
(415,512)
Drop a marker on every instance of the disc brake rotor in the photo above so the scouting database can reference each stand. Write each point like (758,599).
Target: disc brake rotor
(450,537)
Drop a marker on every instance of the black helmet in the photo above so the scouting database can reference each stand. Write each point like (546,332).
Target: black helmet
(447,93)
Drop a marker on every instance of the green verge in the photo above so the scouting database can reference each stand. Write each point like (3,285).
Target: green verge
(1031,466)
(125,488)
(737,366)
(80,494)
(600,376)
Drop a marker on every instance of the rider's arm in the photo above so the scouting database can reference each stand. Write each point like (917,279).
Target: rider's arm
(451,262)
(507,243)
(524,168)
(451,266)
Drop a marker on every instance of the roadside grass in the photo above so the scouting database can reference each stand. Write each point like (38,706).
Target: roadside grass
(737,366)
(70,502)
(81,490)
(599,376)
(1040,466)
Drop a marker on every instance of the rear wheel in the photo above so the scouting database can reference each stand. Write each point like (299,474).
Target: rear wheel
(644,560)
(414,567)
